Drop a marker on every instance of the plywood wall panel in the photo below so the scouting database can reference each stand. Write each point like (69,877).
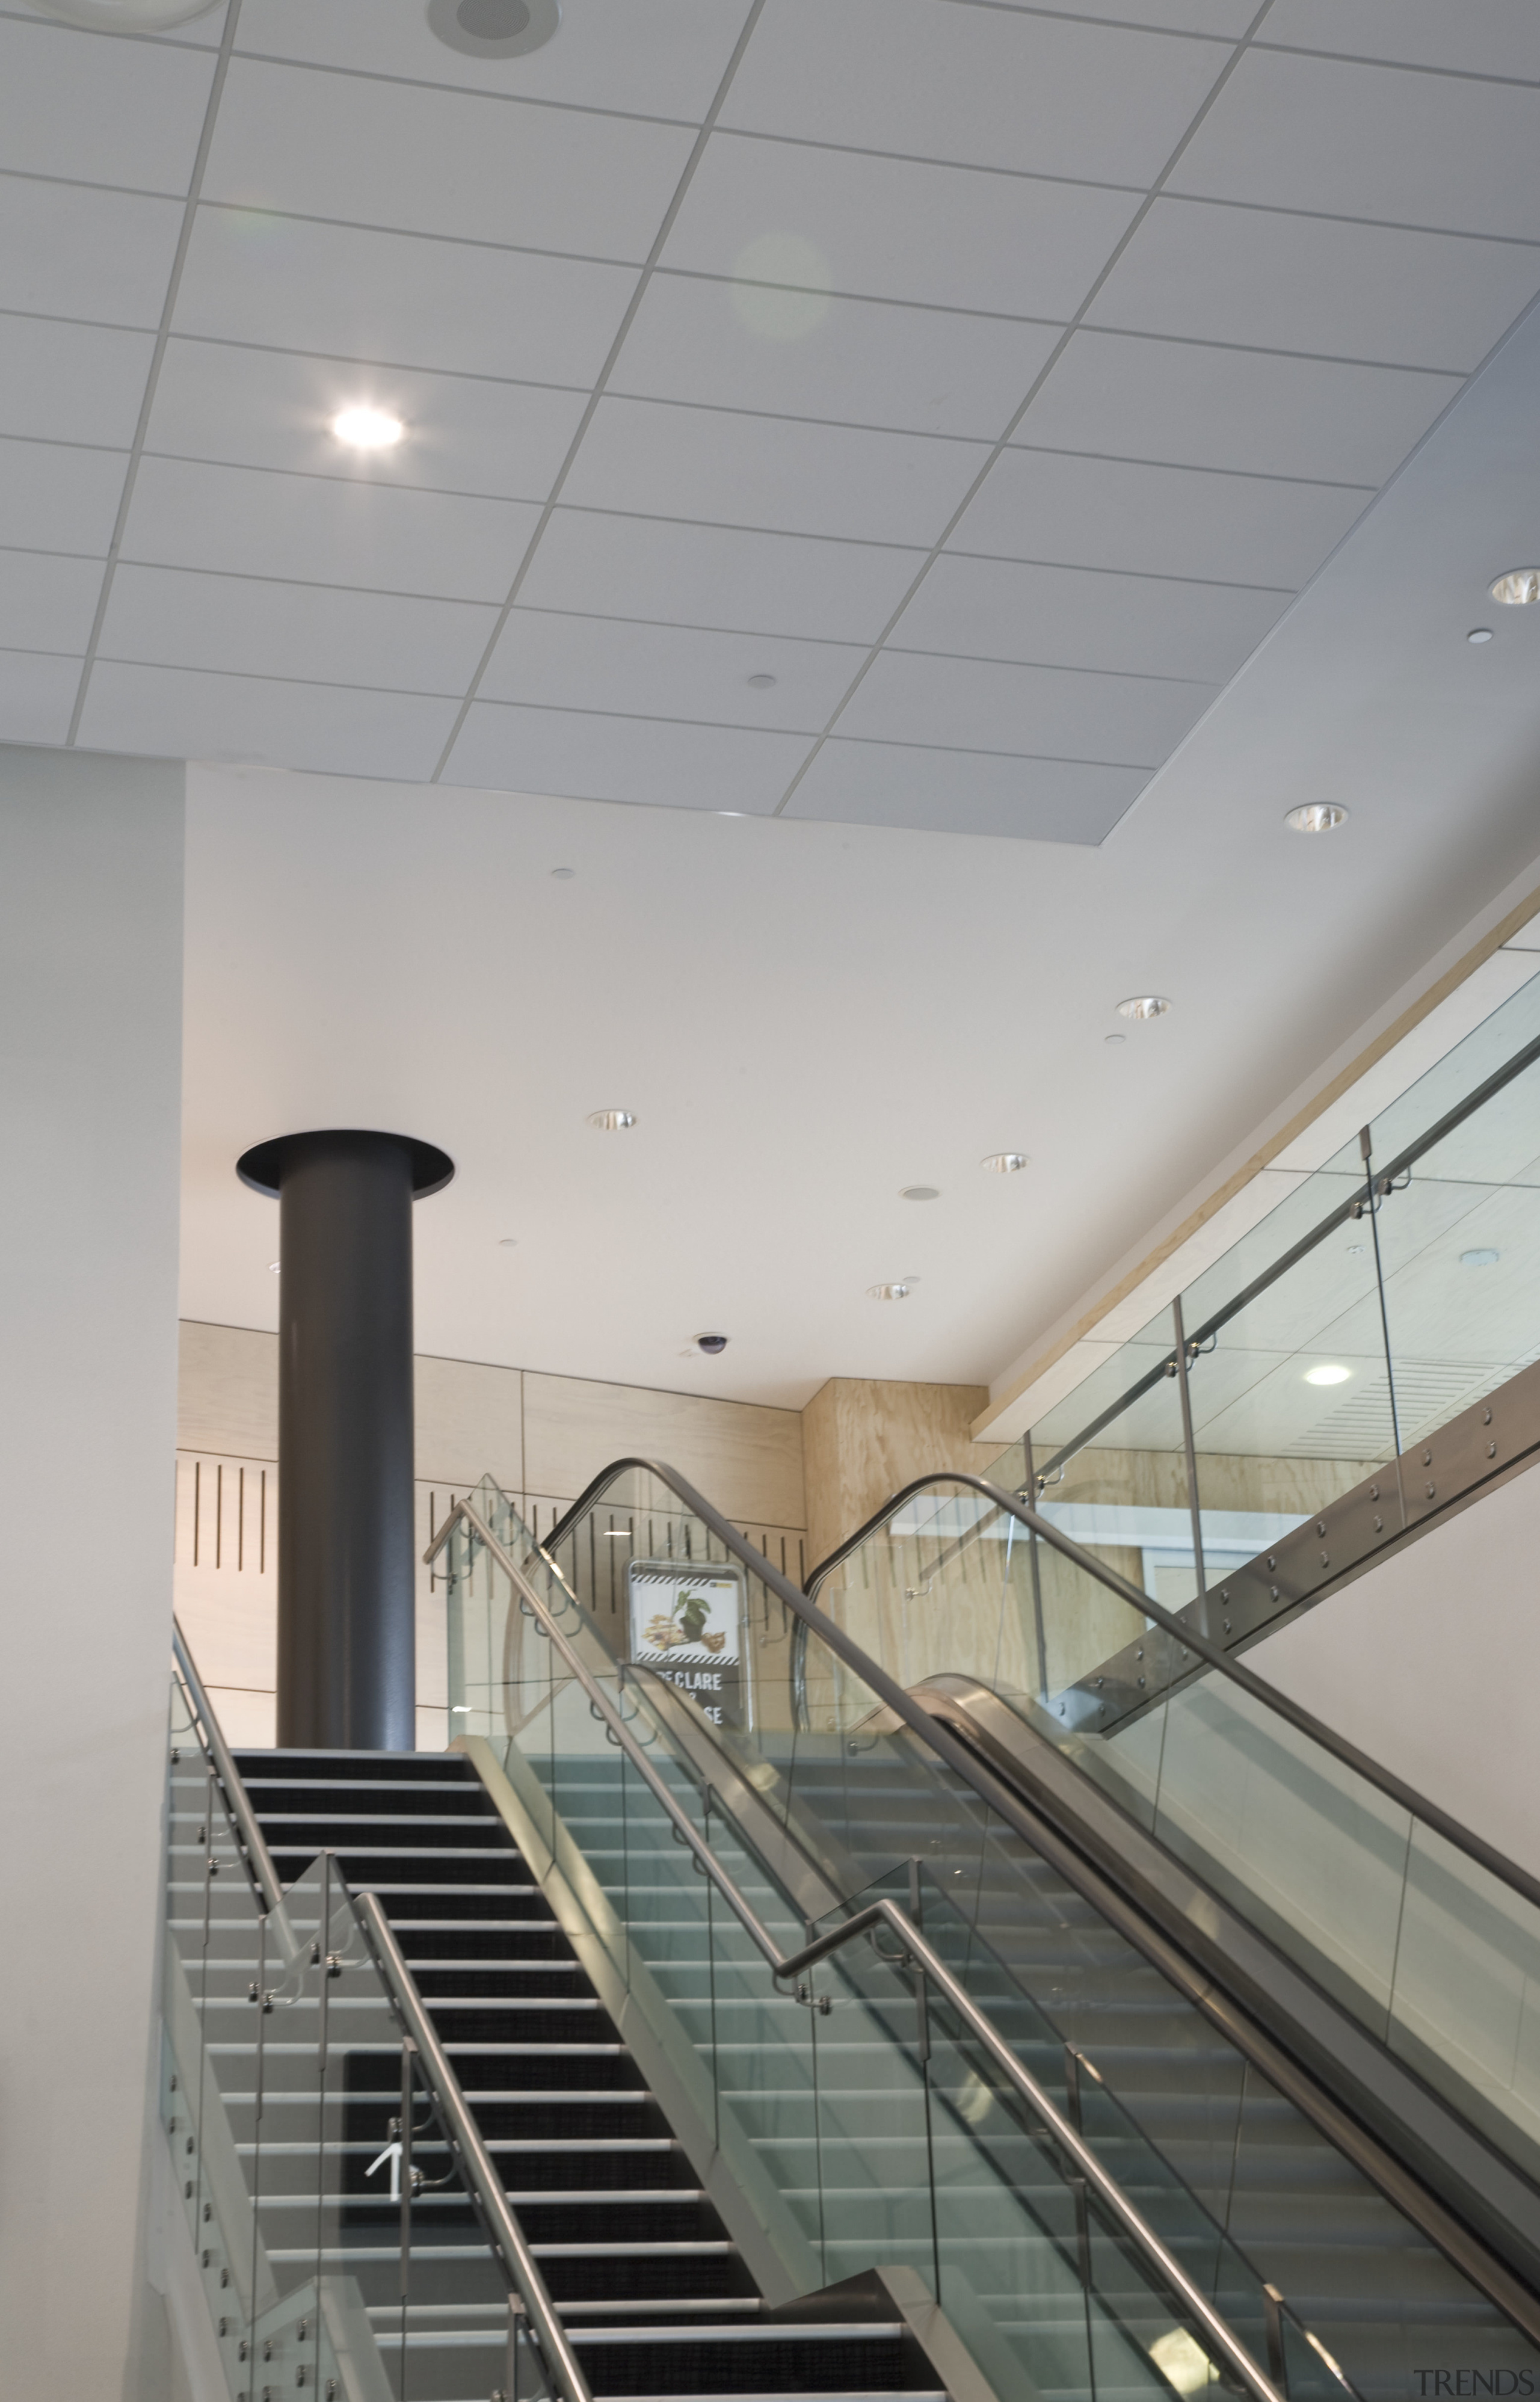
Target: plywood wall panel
(746,1459)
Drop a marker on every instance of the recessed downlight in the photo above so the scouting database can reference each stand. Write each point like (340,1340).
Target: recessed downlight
(1316,817)
(562,874)
(494,29)
(507,1242)
(919,1193)
(611,1120)
(761,683)
(1519,588)
(1479,1259)
(1479,634)
(367,429)
(1004,1163)
(1144,1004)
(1115,1041)
(887,1291)
(1329,1372)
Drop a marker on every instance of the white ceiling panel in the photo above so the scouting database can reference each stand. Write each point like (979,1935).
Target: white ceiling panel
(62,383)
(1073,616)
(54,497)
(649,58)
(274,409)
(980,87)
(1153,520)
(1190,405)
(1043,713)
(771,472)
(466,166)
(1281,281)
(864,362)
(1293,133)
(67,251)
(398,298)
(1228,18)
(939,792)
(310,530)
(625,759)
(897,230)
(1490,37)
(668,671)
(712,576)
(37,697)
(46,603)
(100,112)
(166,616)
(176,713)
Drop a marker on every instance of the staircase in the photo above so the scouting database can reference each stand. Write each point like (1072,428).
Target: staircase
(652,2293)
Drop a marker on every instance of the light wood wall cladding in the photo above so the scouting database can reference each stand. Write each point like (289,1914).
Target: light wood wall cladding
(1157,1479)
(863,1438)
(535,1434)
(746,1459)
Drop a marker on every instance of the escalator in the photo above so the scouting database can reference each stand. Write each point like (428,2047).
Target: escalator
(1369,2214)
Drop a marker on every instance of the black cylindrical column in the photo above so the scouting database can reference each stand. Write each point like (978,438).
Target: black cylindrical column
(346,1574)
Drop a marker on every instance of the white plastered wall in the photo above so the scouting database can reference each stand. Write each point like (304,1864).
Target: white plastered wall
(90,1036)
(1430,1663)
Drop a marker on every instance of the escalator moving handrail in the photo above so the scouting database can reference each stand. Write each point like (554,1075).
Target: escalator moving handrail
(1347,1753)
(785,1965)
(1384,1780)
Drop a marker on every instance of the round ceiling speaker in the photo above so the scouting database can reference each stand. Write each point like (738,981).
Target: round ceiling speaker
(494,29)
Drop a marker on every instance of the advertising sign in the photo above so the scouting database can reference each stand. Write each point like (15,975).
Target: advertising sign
(687,1624)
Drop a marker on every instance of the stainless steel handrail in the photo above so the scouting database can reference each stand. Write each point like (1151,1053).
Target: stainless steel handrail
(784,1966)
(249,1839)
(1347,1755)
(464,2137)
(468,2150)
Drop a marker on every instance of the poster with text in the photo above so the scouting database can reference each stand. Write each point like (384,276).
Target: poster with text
(687,1624)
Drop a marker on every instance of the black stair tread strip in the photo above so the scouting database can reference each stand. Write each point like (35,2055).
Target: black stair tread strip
(778,2331)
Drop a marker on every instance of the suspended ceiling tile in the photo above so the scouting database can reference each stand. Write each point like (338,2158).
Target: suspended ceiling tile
(1072,617)
(178,712)
(169,617)
(979,86)
(625,759)
(1286,282)
(462,165)
(448,307)
(60,382)
(653,58)
(950,791)
(1154,520)
(773,472)
(713,576)
(1186,404)
(54,496)
(668,671)
(99,110)
(1044,712)
(69,252)
(805,354)
(1490,37)
(46,603)
(304,529)
(895,228)
(1327,135)
(37,697)
(272,409)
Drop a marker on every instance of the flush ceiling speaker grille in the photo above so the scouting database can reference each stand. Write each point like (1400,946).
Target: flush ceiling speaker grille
(494,29)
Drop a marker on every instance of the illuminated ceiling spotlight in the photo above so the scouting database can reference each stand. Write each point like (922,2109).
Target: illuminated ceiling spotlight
(367,429)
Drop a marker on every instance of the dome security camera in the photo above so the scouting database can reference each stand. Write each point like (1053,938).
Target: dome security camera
(711,1343)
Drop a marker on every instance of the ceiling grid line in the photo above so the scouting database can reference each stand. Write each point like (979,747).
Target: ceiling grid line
(1210,97)
(201,161)
(665,227)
